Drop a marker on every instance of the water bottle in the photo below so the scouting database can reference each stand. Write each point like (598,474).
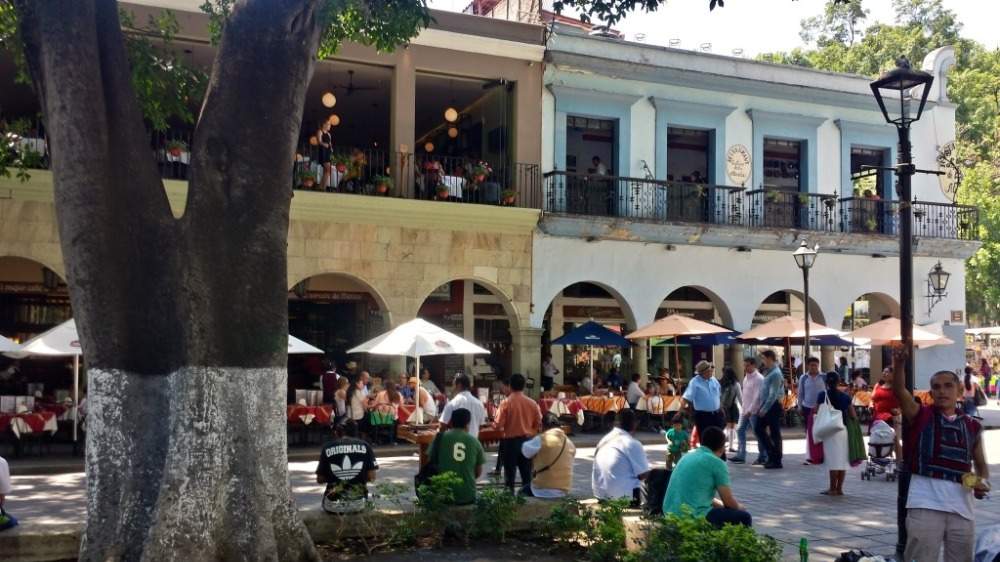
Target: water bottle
(803,550)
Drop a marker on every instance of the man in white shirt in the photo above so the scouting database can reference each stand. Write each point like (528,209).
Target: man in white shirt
(750,398)
(634,391)
(549,372)
(464,399)
(620,463)
(5,485)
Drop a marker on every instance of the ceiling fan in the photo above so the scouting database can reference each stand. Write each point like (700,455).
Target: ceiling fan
(350,87)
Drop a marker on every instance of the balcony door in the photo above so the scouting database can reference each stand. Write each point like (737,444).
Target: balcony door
(784,180)
(869,209)
(689,169)
(591,158)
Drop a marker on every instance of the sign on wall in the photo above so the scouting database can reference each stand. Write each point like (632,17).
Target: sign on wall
(739,165)
(957,316)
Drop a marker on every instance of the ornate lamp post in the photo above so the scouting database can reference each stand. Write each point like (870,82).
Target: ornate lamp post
(805,257)
(896,93)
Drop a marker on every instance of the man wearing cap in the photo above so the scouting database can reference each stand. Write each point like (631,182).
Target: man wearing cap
(703,398)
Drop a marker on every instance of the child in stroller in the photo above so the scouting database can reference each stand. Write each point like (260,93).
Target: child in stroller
(881,458)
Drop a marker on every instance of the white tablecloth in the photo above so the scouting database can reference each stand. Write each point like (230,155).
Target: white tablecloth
(455,184)
(19,426)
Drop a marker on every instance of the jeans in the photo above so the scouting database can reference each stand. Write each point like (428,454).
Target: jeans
(514,460)
(749,422)
(769,429)
(719,516)
(704,420)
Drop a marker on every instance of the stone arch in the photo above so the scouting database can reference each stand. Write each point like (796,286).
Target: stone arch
(887,304)
(623,303)
(35,299)
(816,312)
(377,295)
(720,305)
(506,300)
(46,262)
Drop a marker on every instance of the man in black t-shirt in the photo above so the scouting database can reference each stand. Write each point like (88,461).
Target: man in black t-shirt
(346,465)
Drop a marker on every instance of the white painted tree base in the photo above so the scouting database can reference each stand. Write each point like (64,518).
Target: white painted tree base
(195,462)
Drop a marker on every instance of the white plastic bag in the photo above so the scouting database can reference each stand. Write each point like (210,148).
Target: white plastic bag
(827,421)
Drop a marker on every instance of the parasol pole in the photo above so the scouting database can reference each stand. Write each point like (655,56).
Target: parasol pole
(420,411)
(591,356)
(677,358)
(76,394)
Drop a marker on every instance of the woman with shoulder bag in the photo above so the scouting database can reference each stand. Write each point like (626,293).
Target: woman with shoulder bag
(836,455)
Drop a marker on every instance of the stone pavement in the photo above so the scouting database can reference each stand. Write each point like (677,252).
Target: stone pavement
(785,504)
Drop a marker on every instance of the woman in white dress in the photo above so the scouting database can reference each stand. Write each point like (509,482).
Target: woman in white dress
(836,455)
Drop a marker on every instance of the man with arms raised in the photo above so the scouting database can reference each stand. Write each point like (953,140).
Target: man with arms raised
(943,452)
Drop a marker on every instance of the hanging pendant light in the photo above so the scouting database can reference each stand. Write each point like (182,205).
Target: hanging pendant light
(328,99)
(451,115)
(452,132)
(429,147)
(334,120)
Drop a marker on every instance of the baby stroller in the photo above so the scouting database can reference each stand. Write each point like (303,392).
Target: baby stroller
(881,444)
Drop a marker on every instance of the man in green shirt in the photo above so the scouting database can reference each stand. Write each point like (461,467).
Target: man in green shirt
(457,451)
(697,478)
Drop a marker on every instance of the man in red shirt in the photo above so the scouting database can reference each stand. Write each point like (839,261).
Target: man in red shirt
(520,419)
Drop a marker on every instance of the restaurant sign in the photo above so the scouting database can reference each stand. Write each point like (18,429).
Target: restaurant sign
(739,165)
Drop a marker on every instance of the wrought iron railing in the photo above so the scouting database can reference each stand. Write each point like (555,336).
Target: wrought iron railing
(640,198)
(865,215)
(944,220)
(775,208)
(468,180)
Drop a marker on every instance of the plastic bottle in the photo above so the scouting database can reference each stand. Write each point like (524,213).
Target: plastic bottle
(803,550)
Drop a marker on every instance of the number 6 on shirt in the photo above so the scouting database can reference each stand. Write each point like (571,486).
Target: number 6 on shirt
(458,452)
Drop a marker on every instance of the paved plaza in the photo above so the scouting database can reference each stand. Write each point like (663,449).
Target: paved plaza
(785,504)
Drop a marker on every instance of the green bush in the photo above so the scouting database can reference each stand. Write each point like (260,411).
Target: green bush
(600,530)
(496,511)
(693,539)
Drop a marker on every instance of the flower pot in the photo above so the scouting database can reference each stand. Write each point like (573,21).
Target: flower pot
(341,168)
(175,151)
(508,200)
(480,178)
(381,188)
(308,183)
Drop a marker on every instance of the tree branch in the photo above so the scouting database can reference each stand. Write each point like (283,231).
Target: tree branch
(115,225)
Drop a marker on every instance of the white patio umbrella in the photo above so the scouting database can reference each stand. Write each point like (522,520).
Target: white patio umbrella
(887,332)
(7,345)
(63,341)
(418,338)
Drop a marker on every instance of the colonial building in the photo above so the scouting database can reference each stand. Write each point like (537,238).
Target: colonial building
(537,184)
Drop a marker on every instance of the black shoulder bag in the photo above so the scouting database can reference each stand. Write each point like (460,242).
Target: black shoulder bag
(430,469)
(554,461)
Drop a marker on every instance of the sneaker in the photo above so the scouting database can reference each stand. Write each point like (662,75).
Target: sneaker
(736,460)
(759,462)
(773,465)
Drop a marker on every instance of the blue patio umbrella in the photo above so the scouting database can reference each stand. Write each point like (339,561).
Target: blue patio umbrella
(591,333)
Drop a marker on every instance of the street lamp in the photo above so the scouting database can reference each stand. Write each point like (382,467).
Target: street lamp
(937,284)
(901,82)
(805,257)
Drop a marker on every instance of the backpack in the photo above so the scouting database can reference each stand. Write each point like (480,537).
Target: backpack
(654,489)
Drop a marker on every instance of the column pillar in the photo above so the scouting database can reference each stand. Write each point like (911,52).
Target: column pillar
(403,101)
(468,321)
(826,362)
(527,355)
(555,331)
(736,359)
(641,364)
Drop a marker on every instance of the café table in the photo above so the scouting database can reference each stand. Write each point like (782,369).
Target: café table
(29,422)
(306,415)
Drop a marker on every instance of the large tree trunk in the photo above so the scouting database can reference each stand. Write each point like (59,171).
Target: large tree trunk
(183,322)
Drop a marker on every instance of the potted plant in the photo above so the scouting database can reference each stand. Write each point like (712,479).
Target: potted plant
(382,184)
(441,191)
(340,162)
(508,196)
(307,179)
(481,171)
(176,147)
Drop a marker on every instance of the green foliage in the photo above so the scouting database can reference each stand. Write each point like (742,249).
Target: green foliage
(496,511)
(166,85)
(600,529)
(693,539)
(382,24)
(839,23)
(434,501)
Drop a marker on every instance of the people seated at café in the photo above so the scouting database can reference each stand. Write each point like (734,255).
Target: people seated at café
(346,465)
(634,391)
(389,396)
(464,399)
(620,463)
(551,453)
(425,402)
(357,400)
(427,383)
(667,387)
(699,476)
(404,387)
(460,453)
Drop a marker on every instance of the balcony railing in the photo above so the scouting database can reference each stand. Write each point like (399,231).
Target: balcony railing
(639,198)
(869,216)
(791,209)
(942,220)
